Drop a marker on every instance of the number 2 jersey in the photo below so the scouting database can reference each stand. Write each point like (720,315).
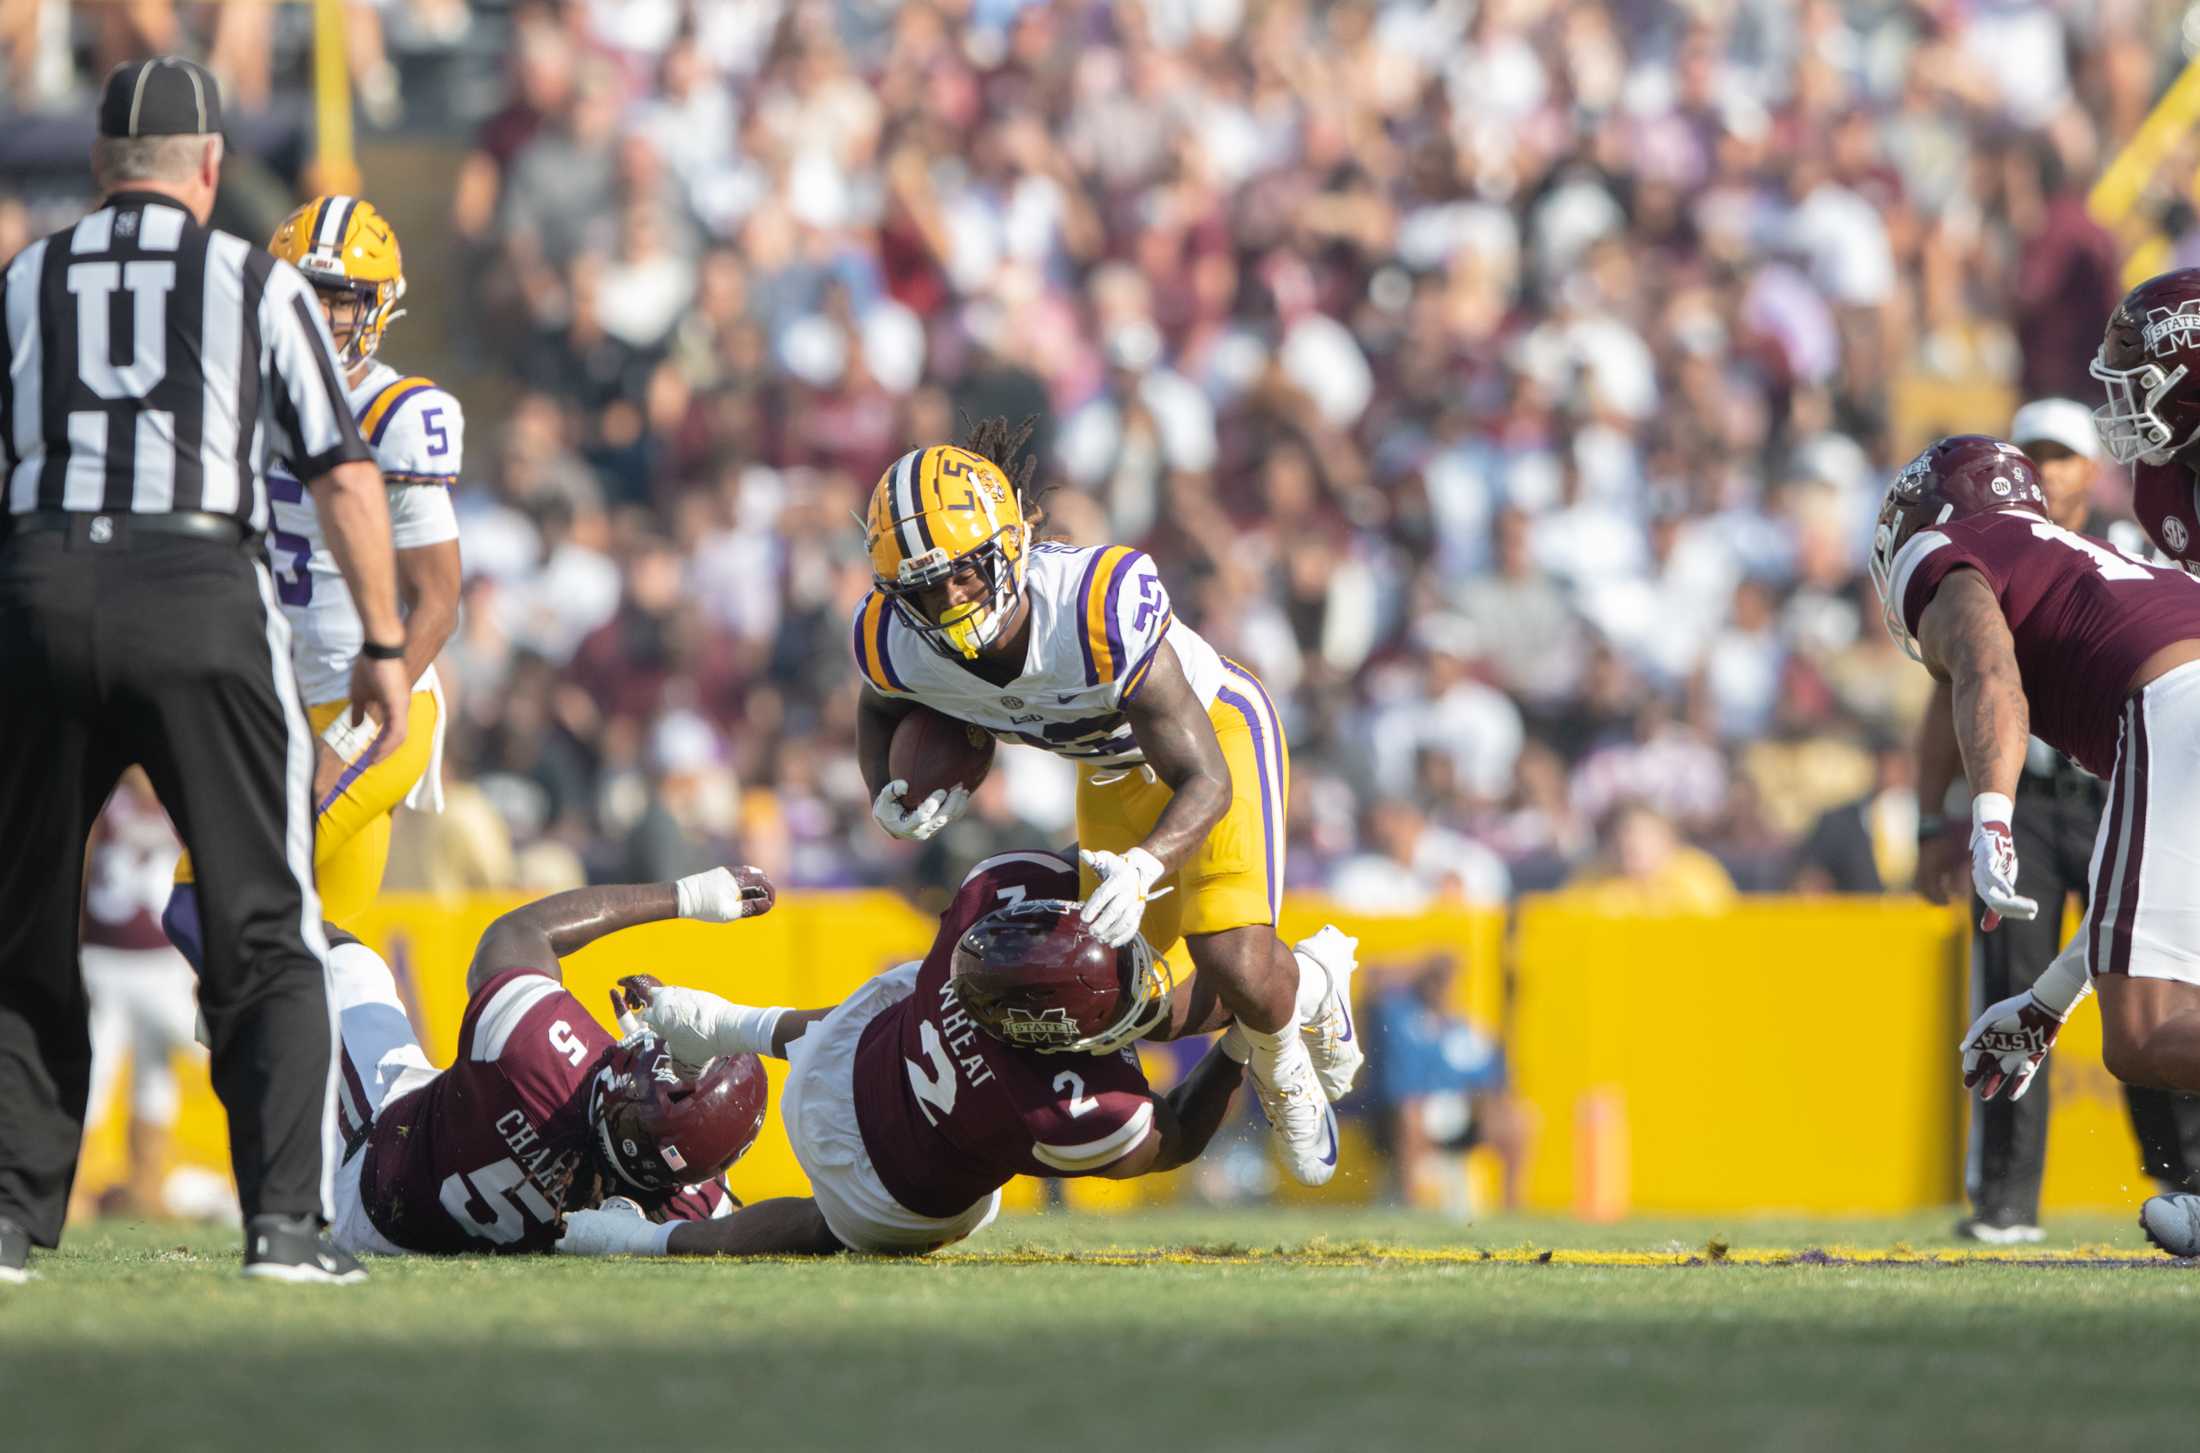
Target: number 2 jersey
(1099,615)
(949,1114)
(2084,617)
(417,435)
(488,1154)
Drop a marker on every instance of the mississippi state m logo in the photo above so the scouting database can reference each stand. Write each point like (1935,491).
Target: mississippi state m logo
(2168,329)
(1049,1026)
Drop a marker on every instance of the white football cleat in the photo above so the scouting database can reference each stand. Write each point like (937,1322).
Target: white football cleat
(1331,957)
(1299,1115)
(2172,1222)
(1992,1233)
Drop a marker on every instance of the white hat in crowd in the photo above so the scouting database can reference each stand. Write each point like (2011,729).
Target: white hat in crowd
(2056,421)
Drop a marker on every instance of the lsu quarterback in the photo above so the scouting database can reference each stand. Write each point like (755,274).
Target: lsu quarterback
(348,251)
(1183,772)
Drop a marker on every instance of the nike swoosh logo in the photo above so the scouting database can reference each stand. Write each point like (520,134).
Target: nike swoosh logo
(1329,1121)
(1066,700)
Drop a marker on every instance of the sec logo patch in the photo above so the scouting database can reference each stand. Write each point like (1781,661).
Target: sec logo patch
(2175,535)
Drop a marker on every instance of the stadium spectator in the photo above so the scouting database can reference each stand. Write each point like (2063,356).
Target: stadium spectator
(1440,1090)
(1477,373)
(1643,866)
(1869,845)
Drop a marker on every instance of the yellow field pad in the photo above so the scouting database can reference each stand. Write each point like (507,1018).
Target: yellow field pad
(1713,1254)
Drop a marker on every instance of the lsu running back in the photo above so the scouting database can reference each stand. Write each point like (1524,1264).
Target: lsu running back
(348,251)
(1183,770)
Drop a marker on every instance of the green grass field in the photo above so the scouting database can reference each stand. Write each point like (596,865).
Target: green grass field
(1270,1331)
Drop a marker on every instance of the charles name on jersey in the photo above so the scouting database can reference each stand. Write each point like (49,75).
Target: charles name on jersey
(1099,615)
(417,433)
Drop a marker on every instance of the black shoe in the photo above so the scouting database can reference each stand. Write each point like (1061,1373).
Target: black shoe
(294,1249)
(15,1253)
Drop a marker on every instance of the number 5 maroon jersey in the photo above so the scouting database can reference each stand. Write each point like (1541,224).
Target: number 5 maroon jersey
(488,1154)
(949,1114)
(2084,617)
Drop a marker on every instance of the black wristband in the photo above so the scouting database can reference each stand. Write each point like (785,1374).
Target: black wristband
(1929,828)
(375,651)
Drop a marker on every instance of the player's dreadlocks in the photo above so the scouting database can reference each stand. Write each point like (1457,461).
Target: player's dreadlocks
(1007,445)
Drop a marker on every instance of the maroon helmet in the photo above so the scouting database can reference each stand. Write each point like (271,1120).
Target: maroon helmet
(1032,975)
(662,1125)
(2149,363)
(1964,474)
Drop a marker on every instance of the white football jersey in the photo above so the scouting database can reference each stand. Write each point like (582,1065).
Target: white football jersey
(417,434)
(1098,616)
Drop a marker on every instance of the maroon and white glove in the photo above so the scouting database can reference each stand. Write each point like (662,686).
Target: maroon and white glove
(1994,862)
(2005,1046)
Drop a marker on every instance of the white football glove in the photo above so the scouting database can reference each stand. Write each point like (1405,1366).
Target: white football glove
(726,895)
(1994,862)
(616,1228)
(922,821)
(694,1025)
(2005,1046)
(691,1022)
(1114,910)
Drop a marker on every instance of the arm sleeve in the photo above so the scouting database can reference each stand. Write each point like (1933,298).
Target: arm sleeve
(872,640)
(421,514)
(1918,571)
(417,432)
(1126,615)
(498,1007)
(314,428)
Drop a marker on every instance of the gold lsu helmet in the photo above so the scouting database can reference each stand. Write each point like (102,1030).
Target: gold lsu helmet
(343,245)
(938,511)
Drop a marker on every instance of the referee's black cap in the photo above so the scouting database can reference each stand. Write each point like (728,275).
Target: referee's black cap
(164,96)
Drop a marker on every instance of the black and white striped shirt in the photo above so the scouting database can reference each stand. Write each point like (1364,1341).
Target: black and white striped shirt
(157,365)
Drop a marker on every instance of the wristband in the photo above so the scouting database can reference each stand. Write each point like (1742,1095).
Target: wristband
(1931,827)
(376,651)
(1989,807)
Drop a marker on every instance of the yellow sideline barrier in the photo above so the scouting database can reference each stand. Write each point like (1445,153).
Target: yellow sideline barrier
(1790,1055)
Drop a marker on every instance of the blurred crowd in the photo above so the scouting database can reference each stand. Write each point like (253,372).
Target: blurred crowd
(1511,383)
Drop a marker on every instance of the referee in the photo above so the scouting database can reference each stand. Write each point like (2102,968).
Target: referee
(155,369)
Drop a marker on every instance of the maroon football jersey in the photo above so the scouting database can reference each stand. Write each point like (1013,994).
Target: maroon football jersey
(488,1154)
(949,1113)
(129,872)
(2168,508)
(2084,616)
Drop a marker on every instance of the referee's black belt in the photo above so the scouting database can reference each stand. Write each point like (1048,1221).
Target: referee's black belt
(116,526)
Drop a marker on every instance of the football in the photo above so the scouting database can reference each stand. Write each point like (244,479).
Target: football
(931,751)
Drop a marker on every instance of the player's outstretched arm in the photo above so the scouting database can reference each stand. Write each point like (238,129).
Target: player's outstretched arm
(539,934)
(1965,641)
(787,1226)
(1939,764)
(1185,1119)
(698,1026)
